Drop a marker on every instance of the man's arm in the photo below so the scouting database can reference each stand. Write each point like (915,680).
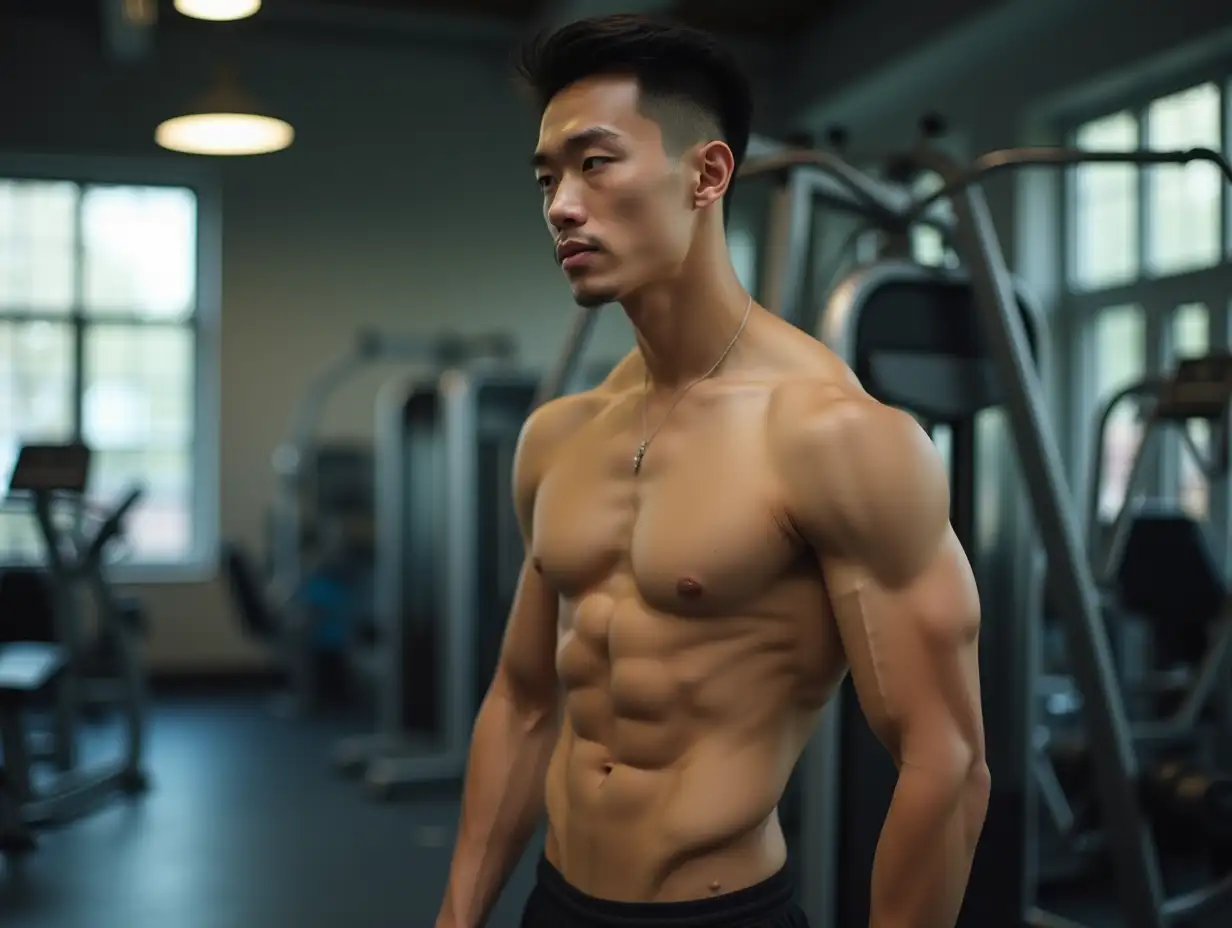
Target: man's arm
(868,491)
(517,725)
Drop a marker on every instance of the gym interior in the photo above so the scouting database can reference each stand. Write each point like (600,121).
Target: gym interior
(258,409)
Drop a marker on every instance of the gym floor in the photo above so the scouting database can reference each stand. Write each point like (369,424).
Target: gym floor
(246,825)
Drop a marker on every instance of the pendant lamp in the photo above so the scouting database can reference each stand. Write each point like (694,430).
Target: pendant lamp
(218,11)
(226,121)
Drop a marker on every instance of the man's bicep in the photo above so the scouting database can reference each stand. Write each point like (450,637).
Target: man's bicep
(912,651)
(527,666)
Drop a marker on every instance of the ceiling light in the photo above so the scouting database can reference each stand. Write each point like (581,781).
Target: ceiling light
(225,122)
(218,10)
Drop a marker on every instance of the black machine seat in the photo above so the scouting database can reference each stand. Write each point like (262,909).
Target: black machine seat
(247,595)
(1169,576)
(27,667)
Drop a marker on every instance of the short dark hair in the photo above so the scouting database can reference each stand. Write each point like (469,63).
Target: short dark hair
(690,83)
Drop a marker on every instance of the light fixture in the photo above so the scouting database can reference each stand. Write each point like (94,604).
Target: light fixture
(225,122)
(218,11)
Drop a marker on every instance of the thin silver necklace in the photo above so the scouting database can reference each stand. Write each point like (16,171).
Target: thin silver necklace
(647,439)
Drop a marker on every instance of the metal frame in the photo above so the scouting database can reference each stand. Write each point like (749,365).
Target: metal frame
(353,755)
(445,760)
(1211,676)
(41,471)
(1113,759)
(369,347)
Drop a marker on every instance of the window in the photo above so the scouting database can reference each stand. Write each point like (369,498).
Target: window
(1106,207)
(1191,336)
(1183,204)
(1119,360)
(100,315)
(1147,279)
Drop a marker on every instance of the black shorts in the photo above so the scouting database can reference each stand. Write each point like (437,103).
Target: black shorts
(555,904)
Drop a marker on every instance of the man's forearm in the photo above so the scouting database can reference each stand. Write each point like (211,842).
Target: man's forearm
(501,804)
(924,854)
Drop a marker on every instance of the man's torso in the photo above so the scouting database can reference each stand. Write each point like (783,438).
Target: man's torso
(695,646)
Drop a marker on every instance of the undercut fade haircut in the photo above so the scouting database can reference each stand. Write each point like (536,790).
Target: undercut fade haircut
(689,84)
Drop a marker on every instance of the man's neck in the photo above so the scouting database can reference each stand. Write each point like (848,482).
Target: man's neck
(684,326)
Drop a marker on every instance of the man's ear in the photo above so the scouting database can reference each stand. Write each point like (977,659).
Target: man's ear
(716,168)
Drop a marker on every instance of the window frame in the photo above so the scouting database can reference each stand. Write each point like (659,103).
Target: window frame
(1158,296)
(204,180)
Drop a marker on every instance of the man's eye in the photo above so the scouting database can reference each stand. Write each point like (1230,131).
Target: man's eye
(544,181)
(594,161)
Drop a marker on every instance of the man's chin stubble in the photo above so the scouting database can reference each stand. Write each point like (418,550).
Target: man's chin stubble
(594,300)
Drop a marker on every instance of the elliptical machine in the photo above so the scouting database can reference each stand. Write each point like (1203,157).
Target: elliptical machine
(39,661)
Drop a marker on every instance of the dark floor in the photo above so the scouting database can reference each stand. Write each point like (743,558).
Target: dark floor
(246,826)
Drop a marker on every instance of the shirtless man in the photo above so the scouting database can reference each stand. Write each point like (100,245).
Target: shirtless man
(714,536)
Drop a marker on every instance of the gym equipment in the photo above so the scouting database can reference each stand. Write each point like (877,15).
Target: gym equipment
(445,459)
(294,457)
(1197,801)
(27,669)
(1006,342)
(1158,564)
(75,562)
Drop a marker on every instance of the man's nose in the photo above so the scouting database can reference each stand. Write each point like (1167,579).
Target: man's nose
(565,210)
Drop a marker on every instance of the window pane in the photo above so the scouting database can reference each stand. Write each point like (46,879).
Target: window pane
(1191,336)
(1106,206)
(140,251)
(160,526)
(37,245)
(1183,232)
(1120,355)
(36,380)
(36,404)
(137,412)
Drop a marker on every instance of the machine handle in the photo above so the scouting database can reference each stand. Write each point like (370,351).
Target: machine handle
(111,526)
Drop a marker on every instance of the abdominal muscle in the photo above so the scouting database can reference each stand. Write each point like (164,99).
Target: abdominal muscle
(673,756)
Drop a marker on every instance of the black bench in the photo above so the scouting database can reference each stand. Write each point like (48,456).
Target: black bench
(26,669)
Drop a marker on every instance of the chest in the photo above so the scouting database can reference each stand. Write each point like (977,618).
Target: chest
(695,531)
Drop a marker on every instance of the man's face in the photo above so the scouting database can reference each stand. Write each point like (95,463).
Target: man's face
(618,206)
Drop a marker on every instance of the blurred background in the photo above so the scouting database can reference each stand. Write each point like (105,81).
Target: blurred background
(176,312)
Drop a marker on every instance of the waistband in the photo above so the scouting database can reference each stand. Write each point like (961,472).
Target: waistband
(758,901)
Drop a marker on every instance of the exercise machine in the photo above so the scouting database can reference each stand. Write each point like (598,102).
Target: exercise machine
(1158,563)
(1002,887)
(448,556)
(52,664)
(1169,616)
(283,617)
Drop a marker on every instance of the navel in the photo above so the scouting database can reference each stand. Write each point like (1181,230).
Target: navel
(689,588)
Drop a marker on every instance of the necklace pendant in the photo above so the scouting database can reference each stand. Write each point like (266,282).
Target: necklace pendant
(637,458)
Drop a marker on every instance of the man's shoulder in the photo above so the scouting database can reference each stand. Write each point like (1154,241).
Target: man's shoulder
(820,426)
(560,419)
